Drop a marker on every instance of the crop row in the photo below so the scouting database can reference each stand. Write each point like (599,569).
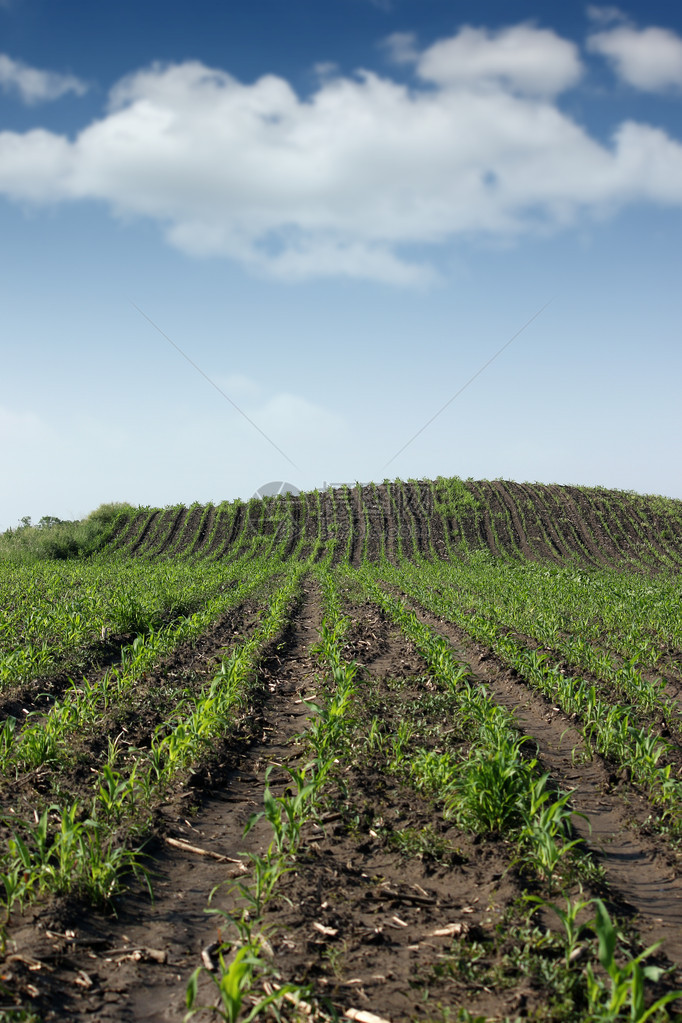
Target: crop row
(609,727)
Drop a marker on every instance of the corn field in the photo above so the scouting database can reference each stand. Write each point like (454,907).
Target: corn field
(401,752)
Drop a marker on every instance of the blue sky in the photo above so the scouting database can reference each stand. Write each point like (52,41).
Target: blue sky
(339,211)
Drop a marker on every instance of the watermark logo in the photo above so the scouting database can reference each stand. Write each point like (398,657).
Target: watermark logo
(277,518)
(275,489)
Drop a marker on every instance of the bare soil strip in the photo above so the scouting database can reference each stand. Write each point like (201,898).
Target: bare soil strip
(169,541)
(204,530)
(146,537)
(521,538)
(543,527)
(343,525)
(357,528)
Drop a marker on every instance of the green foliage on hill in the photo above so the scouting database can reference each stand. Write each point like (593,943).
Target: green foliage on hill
(57,539)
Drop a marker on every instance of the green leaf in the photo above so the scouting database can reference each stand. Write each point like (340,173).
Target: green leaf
(192,989)
(607,936)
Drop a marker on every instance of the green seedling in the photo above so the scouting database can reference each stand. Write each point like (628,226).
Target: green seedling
(78,855)
(235,982)
(547,827)
(116,794)
(375,738)
(489,790)
(7,737)
(286,814)
(266,872)
(626,984)
(575,932)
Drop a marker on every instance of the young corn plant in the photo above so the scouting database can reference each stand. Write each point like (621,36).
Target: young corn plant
(489,791)
(575,933)
(547,828)
(236,983)
(287,813)
(625,986)
(79,855)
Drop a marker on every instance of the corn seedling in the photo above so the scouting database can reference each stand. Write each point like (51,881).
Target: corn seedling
(625,987)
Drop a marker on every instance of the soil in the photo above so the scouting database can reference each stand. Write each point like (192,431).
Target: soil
(388,909)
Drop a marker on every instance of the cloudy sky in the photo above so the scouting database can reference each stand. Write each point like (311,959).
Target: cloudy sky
(339,212)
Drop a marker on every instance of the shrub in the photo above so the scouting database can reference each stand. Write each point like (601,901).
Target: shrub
(55,539)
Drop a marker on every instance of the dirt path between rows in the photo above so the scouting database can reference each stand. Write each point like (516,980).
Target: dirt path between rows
(642,869)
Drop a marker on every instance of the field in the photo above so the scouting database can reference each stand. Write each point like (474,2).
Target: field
(408,752)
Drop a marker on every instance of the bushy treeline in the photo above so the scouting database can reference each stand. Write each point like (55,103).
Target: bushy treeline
(57,539)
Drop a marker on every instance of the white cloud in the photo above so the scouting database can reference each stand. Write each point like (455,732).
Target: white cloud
(648,59)
(348,181)
(35,86)
(326,69)
(402,47)
(36,165)
(521,58)
(605,15)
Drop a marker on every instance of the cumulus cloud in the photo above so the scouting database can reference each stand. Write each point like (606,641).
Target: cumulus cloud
(35,86)
(355,178)
(649,59)
(521,58)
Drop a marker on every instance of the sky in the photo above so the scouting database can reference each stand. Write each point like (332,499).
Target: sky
(271,241)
